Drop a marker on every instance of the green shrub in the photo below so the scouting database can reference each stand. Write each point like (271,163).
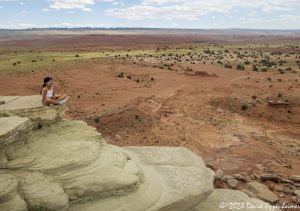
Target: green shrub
(97,119)
(254,68)
(267,63)
(244,107)
(120,75)
(228,66)
(240,67)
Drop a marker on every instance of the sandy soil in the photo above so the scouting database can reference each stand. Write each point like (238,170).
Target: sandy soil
(152,106)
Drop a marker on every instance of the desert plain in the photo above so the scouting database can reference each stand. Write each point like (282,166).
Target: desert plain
(231,96)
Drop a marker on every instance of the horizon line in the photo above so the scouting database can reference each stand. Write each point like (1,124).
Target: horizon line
(141,28)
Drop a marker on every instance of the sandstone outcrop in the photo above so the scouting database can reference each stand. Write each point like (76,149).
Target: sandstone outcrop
(49,163)
(32,108)
(261,191)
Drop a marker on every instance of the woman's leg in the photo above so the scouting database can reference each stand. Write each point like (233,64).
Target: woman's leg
(49,102)
(60,97)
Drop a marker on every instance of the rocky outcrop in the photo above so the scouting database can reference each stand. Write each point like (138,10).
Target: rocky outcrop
(9,197)
(185,178)
(14,131)
(261,191)
(32,108)
(49,163)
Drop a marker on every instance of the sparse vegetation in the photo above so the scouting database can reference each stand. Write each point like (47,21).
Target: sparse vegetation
(240,67)
(38,207)
(228,66)
(254,68)
(232,56)
(244,107)
(97,119)
(120,75)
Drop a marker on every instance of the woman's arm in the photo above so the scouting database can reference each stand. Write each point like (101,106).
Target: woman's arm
(44,94)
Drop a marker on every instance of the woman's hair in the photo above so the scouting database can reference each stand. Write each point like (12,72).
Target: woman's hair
(46,80)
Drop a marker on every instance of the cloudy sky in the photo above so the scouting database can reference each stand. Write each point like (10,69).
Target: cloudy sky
(257,14)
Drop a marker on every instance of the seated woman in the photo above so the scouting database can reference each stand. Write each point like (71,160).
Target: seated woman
(48,95)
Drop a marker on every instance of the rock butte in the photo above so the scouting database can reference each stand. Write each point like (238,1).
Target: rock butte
(50,163)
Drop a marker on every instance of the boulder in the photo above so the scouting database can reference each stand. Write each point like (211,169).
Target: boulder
(226,177)
(9,197)
(297,193)
(185,179)
(272,177)
(224,199)
(233,183)
(38,190)
(14,129)
(240,177)
(219,174)
(262,192)
(294,178)
(288,189)
(74,154)
(174,179)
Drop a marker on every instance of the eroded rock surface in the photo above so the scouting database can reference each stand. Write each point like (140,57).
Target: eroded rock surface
(13,129)
(32,108)
(9,197)
(185,178)
(261,191)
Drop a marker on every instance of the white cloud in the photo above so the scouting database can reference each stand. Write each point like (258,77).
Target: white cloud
(66,24)
(71,4)
(26,25)
(280,22)
(57,25)
(74,4)
(71,25)
(45,9)
(11,25)
(194,9)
